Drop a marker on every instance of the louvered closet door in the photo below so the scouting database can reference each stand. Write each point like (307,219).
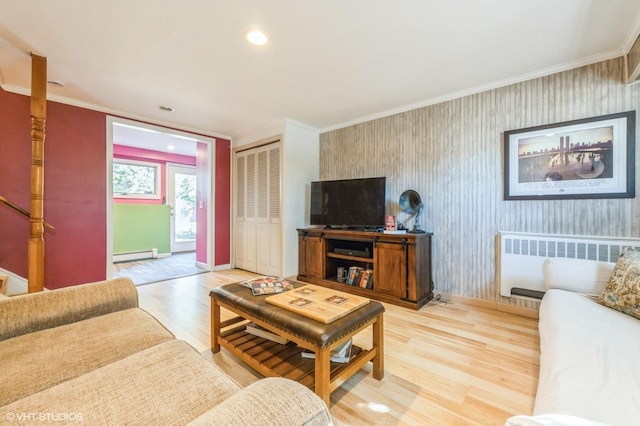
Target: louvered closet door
(275,222)
(268,226)
(245,230)
(250,246)
(268,216)
(258,241)
(241,203)
(262,219)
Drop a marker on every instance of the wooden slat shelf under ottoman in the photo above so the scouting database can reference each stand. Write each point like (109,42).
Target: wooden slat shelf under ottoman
(273,359)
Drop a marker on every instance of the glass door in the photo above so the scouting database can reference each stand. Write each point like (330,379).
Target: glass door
(181,196)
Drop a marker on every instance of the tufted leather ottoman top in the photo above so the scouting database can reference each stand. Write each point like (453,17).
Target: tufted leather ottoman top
(323,335)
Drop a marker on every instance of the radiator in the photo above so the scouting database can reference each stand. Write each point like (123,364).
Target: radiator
(520,257)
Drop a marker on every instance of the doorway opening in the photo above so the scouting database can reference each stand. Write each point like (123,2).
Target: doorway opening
(159,230)
(181,196)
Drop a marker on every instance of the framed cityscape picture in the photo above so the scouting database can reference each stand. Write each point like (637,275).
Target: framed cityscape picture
(587,158)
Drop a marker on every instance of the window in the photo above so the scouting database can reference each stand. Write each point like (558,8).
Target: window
(135,179)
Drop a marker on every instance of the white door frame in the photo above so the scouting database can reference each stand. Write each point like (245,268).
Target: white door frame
(209,266)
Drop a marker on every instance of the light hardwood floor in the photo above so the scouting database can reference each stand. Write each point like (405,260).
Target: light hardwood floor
(446,364)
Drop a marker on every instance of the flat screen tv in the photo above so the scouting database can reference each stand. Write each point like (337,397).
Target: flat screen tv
(349,203)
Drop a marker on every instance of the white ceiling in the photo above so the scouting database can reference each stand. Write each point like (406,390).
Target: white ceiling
(152,138)
(328,63)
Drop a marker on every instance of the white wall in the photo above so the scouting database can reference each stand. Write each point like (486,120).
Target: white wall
(301,166)
(300,146)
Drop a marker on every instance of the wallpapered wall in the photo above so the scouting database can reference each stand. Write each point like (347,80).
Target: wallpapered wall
(451,153)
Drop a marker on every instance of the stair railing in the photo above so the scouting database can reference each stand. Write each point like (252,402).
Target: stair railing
(22,211)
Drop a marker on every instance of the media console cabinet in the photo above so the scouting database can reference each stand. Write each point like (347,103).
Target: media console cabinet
(401,263)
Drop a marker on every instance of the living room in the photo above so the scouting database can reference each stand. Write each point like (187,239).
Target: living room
(450,150)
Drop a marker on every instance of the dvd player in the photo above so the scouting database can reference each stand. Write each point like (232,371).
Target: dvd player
(352,252)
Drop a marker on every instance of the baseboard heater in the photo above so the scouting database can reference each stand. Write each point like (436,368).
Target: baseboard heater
(136,255)
(520,257)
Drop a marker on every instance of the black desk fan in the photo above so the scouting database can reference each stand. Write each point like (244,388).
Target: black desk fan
(411,204)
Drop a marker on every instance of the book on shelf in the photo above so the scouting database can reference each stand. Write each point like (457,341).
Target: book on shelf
(352,274)
(369,284)
(341,354)
(360,277)
(365,276)
(267,285)
(256,330)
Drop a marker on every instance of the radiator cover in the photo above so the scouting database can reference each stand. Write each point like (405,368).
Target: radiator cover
(520,256)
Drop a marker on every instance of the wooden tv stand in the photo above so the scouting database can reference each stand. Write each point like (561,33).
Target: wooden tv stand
(401,263)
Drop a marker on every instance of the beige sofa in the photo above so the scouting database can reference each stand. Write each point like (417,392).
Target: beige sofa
(89,354)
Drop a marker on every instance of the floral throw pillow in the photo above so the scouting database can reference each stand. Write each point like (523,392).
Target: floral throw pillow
(622,292)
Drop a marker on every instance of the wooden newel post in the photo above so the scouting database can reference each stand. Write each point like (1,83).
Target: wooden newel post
(35,262)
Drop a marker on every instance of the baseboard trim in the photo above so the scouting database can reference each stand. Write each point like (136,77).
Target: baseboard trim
(128,257)
(518,310)
(488,304)
(222,267)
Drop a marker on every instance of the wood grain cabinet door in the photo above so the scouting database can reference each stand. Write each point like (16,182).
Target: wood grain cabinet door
(390,268)
(311,256)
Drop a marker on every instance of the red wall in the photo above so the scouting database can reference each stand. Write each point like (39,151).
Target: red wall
(223,202)
(15,151)
(202,199)
(75,191)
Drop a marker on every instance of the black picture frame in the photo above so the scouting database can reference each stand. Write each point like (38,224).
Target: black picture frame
(579,159)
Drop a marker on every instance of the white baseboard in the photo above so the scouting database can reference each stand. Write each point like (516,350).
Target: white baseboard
(222,267)
(138,255)
(202,265)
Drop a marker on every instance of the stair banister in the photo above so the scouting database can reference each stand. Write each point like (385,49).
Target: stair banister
(35,262)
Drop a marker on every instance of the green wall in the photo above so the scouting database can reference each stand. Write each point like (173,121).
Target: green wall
(141,227)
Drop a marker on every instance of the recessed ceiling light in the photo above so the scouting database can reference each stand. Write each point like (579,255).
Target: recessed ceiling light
(171,147)
(257,37)
(166,108)
(55,83)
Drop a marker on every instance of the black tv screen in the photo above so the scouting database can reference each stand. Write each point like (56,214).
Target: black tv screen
(352,203)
